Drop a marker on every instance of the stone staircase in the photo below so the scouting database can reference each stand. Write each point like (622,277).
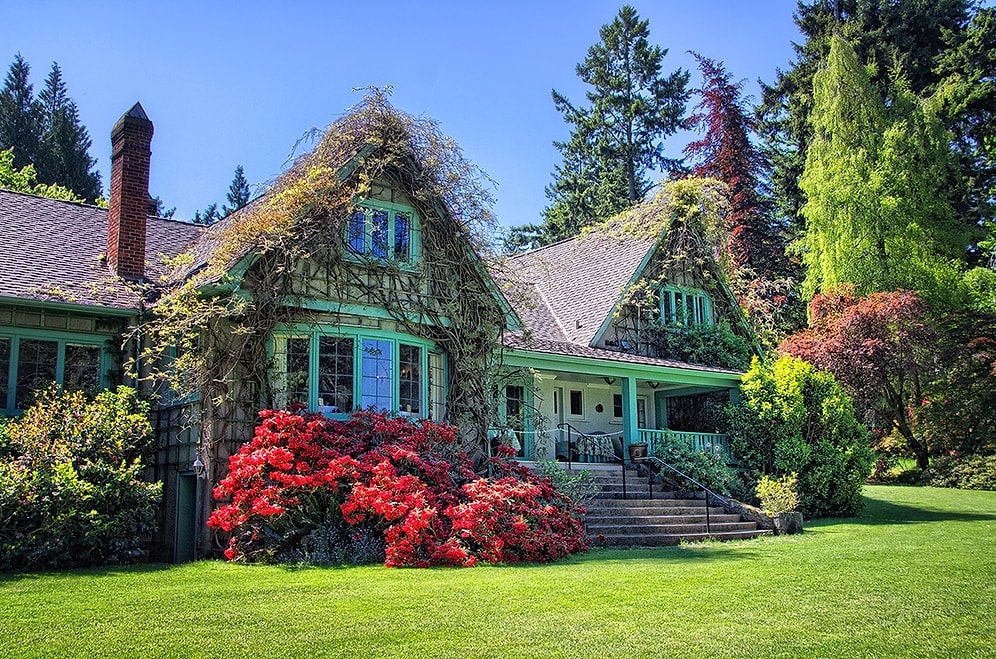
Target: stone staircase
(665,519)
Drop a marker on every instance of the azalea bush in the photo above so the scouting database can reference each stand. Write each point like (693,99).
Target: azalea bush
(374,488)
(71,487)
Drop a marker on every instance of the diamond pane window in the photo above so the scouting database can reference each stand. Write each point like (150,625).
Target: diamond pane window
(82,368)
(410,379)
(35,368)
(335,374)
(378,234)
(402,236)
(4,369)
(358,232)
(377,380)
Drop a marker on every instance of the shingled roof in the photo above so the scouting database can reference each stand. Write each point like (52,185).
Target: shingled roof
(55,250)
(564,292)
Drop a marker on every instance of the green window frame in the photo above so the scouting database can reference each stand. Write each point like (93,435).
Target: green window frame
(383,231)
(30,361)
(682,306)
(336,371)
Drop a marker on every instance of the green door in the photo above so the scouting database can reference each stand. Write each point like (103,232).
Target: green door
(184,549)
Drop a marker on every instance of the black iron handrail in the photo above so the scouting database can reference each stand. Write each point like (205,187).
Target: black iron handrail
(607,454)
(706,491)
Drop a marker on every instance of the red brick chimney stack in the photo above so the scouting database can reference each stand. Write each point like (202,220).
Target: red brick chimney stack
(127,214)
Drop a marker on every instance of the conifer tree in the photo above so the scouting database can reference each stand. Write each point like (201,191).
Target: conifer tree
(238,193)
(20,115)
(64,157)
(618,137)
(877,180)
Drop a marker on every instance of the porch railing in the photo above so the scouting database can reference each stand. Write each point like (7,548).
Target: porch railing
(704,442)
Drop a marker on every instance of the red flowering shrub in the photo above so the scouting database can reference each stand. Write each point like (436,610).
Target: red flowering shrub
(309,488)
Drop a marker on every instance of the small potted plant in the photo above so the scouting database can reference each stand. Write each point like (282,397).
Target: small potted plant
(638,452)
(780,500)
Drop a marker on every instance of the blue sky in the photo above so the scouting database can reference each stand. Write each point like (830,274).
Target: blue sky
(229,83)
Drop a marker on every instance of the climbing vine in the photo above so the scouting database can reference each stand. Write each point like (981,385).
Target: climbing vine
(209,332)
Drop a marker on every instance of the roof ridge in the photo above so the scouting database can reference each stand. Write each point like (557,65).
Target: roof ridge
(63,201)
(530,252)
(553,314)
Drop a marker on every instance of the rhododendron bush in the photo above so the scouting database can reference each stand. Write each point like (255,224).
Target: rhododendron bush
(377,488)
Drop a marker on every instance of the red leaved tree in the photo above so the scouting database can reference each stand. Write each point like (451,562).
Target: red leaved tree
(881,348)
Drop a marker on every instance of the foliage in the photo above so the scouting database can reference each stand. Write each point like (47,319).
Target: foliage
(305,482)
(974,472)
(795,419)
(46,132)
(697,343)
(778,495)
(707,467)
(877,182)
(881,348)
(238,192)
(71,487)
(909,35)
(25,180)
(581,488)
(618,138)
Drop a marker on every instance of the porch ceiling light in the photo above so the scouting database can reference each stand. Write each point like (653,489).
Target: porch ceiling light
(653,384)
(609,381)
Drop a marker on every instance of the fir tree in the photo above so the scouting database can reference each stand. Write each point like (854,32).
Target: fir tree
(238,193)
(20,115)
(618,137)
(65,157)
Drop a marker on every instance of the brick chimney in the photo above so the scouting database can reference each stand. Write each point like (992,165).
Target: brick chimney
(128,211)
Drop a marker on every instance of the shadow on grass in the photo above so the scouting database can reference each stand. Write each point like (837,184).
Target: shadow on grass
(878,512)
(95,572)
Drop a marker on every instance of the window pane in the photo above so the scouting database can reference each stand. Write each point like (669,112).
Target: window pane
(378,234)
(335,374)
(35,368)
(402,234)
(667,307)
(4,370)
(377,380)
(437,387)
(291,366)
(577,406)
(357,232)
(617,405)
(410,379)
(82,369)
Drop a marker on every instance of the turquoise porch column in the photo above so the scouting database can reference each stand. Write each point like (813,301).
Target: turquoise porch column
(630,428)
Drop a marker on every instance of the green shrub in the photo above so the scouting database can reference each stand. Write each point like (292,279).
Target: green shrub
(71,492)
(778,495)
(975,472)
(793,418)
(707,467)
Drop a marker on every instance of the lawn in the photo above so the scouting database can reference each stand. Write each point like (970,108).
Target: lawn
(914,576)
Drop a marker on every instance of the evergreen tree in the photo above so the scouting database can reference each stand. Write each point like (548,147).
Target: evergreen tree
(877,180)
(238,193)
(64,157)
(20,115)
(909,35)
(618,138)
(210,215)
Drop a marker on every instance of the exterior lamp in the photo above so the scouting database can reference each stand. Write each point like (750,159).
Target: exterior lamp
(609,381)
(653,384)
(199,469)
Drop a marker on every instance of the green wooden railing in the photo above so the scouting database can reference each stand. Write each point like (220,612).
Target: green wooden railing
(700,441)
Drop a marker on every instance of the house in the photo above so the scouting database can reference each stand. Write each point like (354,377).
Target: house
(355,282)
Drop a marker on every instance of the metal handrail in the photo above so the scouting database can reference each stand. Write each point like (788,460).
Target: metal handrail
(706,491)
(571,445)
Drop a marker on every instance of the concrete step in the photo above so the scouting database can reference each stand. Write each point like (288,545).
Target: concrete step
(614,530)
(663,518)
(670,539)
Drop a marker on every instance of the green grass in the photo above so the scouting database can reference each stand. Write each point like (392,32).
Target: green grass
(915,576)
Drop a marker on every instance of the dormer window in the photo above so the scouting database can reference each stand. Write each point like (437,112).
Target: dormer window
(685,306)
(381,230)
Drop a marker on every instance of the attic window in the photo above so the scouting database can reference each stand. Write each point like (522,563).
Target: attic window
(685,306)
(381,231)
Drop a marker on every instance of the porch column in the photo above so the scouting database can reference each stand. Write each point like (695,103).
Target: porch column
(630,426)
